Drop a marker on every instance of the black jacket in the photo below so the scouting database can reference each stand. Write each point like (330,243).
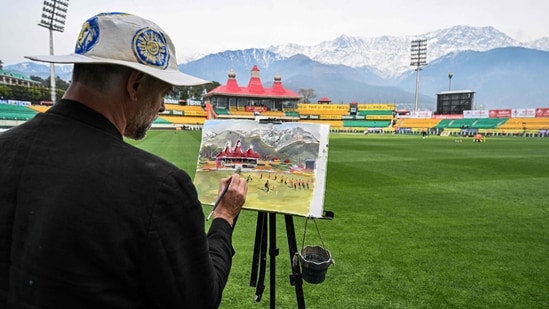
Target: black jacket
(89,221)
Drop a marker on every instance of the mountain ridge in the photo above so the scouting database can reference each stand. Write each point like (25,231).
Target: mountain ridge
(390,55)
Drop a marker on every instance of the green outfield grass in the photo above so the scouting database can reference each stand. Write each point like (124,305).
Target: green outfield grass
(419,223)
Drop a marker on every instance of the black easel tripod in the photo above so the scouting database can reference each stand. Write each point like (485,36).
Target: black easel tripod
(266,228)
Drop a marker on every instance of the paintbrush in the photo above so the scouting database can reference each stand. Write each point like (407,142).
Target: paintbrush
(220,197)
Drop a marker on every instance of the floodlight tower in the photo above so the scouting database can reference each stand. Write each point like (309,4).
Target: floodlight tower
(418,58)
(54,13)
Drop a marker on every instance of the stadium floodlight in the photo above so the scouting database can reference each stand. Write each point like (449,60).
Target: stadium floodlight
(54,13)
(417,59)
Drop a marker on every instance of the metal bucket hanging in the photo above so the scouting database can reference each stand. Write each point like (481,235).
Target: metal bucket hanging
(314,260)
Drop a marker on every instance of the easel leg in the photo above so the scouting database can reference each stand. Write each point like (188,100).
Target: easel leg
(263,259)
(259,258)
(273,253)
(257,248)
(295,278)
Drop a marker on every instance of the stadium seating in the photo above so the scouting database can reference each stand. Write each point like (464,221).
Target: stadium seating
(181,120)
(186,110)
(39,108)
(161,120)
(221,111)
(16,112)
(488,123)
(375,112)
(525,123)
(455,123)
(366,123)
(371,116)
(417,123)
(237,113)
(323,109)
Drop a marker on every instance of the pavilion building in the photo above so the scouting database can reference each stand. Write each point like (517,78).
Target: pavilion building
(237,158)
(253,100)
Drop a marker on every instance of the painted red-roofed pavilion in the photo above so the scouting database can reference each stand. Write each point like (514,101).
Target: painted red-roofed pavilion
(255,98)
(234,158)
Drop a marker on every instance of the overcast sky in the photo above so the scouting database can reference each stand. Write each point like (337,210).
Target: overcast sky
(210,26)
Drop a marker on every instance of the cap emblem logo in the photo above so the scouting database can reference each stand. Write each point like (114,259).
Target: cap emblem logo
(88,36)
(150,48)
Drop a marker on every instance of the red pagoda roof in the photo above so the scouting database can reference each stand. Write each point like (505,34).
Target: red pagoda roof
(237,152)
(255,88)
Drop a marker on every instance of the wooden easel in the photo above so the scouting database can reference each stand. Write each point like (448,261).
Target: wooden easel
(266,228)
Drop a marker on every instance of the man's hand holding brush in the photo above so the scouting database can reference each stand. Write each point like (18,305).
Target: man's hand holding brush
(231,196)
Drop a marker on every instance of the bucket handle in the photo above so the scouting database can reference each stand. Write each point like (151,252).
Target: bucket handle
(305,231)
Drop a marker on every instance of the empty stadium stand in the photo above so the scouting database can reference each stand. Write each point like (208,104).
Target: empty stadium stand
(420,123)
(488,123)
(366,123)
(39,108)
(291,114)
(455,123)
(338,116)
(182,120)
(525,123)
(16,112)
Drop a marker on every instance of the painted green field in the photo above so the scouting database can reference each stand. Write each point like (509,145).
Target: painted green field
(419,223)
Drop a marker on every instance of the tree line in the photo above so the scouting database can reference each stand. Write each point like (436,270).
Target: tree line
(42,91)
(35,93)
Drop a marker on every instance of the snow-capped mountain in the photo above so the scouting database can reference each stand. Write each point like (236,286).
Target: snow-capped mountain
(273,136)
(540,44)
(389,56)
(280,141)
(378,69)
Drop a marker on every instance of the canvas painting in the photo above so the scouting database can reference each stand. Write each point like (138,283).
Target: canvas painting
(283,163)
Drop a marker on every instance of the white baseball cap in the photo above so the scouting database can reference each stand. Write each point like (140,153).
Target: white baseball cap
(128,40)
